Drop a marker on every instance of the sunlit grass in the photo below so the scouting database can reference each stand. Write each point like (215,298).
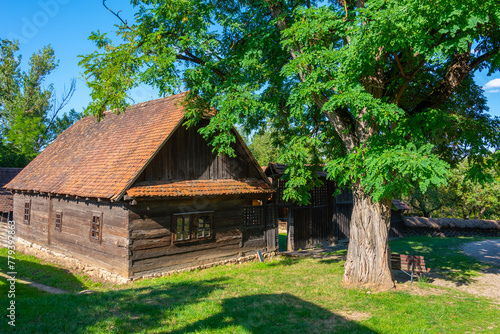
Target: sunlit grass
(442,255)
(285,295)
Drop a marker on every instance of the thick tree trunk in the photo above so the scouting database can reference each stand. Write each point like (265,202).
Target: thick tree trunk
(368,256)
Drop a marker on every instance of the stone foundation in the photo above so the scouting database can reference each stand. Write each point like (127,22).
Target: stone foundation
(232,261)
(31,248)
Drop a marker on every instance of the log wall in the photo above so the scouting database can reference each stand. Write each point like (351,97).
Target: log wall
(74,237)
(188,156)
(152,249)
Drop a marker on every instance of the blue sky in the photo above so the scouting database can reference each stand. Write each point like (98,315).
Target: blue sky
(66,25)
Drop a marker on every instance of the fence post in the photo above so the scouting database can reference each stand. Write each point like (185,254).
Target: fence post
(290,230)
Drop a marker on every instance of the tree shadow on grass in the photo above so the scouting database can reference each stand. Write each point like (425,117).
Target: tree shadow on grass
(177,307)
(332,260)
(273,313)
(284,261)
(46,274)
(132,310)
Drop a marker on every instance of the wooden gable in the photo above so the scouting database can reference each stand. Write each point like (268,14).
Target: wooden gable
(188,156)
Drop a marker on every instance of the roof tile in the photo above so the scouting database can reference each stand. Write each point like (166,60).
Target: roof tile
(100,159)
(199,188)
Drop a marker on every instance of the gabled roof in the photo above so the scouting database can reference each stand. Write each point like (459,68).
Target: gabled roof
(6,175)
(101,159)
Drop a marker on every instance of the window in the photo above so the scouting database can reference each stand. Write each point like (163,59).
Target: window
(192,226)
(27,212)
(204,224)
(58,223)
(182,228)
(96,227)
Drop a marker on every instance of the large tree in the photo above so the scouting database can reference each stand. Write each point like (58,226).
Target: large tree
(30,114)
(368,86)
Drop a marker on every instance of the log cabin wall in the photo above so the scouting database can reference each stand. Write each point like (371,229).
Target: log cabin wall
(37,227)
(188,156)
(72,235)
(153,248)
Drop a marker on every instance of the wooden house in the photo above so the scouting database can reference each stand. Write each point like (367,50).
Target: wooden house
(327,218)
(139,194)
(6,175)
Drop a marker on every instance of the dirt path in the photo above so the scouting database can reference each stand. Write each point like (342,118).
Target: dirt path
(487,285)
(38,286)
(487,251)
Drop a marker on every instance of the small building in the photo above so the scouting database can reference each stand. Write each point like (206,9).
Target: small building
(139,194)
(6,175)
(327,218)
(306,225)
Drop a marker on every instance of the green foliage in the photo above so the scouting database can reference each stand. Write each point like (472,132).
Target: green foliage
(467,195)
(384,93)
(472,199)
(265,146)
(29,116)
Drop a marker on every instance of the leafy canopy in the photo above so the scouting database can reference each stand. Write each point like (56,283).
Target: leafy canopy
(381,90)
(29,112)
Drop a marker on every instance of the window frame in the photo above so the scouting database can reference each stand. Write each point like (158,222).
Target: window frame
(59,216)
(93,231)
(194,226)
(27,215)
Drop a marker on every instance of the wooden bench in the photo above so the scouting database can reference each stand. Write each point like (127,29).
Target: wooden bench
(409,264)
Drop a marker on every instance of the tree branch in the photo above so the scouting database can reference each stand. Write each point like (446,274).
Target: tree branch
(117,14)
(401,70)
(409,79)
(340,119)
(192,58)
(484,57)
(65,100)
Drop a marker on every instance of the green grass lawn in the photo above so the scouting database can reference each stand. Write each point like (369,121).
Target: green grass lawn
(297,295)
(442,255)
(21,290)
(36,270)
(282,242)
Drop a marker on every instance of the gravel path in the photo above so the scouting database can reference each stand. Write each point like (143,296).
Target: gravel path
(487,251)
(488,284)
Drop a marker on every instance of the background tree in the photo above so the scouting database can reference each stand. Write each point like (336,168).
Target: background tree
(29,113)
(425,203)
(363,85)
(265,144)
(472,200)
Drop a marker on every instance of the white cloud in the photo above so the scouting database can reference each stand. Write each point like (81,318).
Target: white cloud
(492,86)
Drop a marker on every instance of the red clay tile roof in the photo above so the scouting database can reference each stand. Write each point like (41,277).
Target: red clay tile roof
(101,159)
(199,188)
(6,175)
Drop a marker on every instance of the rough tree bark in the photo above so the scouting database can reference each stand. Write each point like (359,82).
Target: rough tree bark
(368,256)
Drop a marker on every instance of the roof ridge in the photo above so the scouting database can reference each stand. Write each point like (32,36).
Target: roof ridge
(149,102)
